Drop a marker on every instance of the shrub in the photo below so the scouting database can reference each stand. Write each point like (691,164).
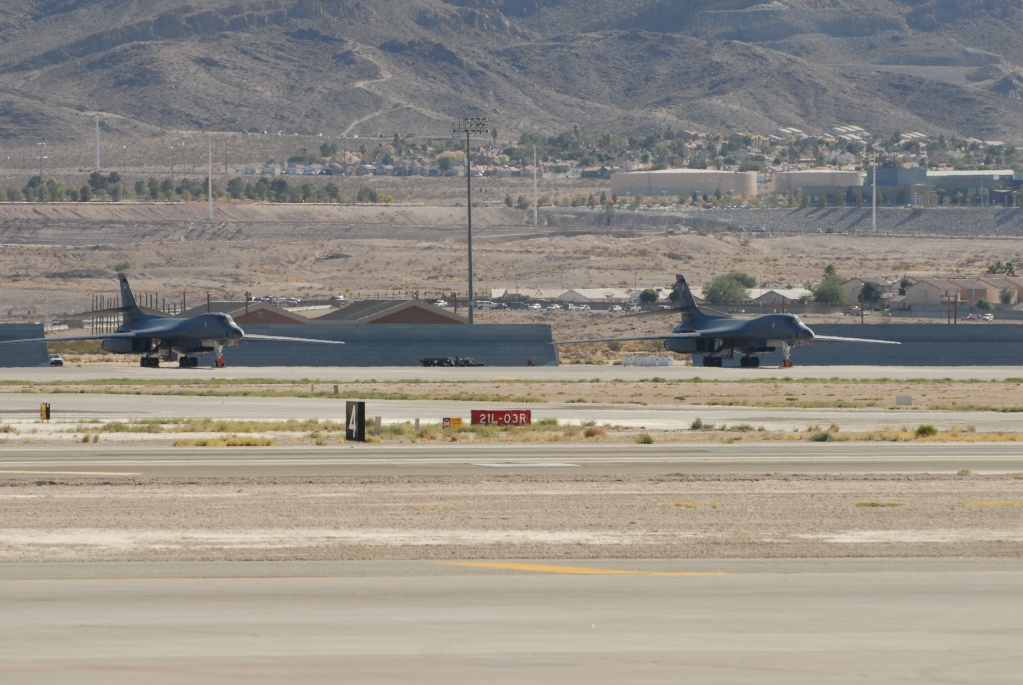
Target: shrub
(645,439)
(926,430)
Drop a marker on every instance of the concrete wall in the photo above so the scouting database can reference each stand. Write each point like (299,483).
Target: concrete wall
(397,345)
(963,344)
(674,182)
(25,354)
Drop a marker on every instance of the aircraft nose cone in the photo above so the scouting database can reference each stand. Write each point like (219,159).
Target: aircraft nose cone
(804,333)
(235,333)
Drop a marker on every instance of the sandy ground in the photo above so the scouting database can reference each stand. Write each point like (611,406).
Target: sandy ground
(502,517)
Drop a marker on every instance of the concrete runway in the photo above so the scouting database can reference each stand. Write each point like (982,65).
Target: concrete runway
(525,459)
(734,622)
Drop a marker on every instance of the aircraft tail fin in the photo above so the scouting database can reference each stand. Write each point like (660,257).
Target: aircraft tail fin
(129,309)
(686,301)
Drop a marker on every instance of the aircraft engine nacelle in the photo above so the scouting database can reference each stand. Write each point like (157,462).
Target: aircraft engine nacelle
(124,346)
(689,345)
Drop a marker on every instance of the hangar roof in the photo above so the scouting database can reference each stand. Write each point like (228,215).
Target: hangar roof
(392,311)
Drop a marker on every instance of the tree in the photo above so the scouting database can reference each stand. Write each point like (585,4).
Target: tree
(726,290)
(744,278)
(829,292)
(871,294)
(648,295)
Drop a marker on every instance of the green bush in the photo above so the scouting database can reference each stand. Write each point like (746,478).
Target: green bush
(926,430)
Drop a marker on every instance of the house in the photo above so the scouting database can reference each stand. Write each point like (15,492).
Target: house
(930,293)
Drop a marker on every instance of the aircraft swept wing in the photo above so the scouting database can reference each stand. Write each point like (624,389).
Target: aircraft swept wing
(720,337)
(155,337)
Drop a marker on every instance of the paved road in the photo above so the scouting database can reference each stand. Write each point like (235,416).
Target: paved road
(462,460)
(764,622)
(572,372)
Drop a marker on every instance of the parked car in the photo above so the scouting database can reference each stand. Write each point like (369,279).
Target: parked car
(56,360)
(534,305)
(635,308)
(441,303)
(988,317)
(614,308)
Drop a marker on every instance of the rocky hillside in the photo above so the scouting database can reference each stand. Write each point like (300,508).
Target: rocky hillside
(357,67)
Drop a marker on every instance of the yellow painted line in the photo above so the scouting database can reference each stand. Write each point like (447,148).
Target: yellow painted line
(67,473)
(574,570)
(993,504)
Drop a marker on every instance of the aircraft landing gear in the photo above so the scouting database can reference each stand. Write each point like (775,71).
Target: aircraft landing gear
(220,363)
(713,361)
(787,363)
(186,362)
(150,362)
(749,362)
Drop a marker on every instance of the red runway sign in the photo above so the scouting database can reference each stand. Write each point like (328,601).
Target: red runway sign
(502,417)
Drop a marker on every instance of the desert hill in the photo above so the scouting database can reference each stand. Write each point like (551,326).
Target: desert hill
(353,67)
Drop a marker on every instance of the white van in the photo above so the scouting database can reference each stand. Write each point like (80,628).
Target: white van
(485,304)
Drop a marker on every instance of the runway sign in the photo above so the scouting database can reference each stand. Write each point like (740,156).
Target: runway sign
(502,417)
(355,421)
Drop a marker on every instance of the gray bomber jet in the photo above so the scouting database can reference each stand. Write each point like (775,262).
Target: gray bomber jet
(720,337)
(152,335)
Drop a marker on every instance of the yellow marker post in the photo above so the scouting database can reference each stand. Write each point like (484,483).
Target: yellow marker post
(44,411)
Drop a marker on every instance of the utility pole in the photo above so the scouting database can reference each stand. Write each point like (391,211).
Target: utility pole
(468,126)
(209,180)
(535,219)
(97,143)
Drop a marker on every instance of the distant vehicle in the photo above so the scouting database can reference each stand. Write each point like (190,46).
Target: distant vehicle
(449,361)
(736,310)
(759,229)
(554,307)
(853,311)
(635,308)
(534,305)
(56,360)
(988,317)
(440,303)
(484,304)
(578,307)
(500,305)
(719,337)
(971,317)
(614,308)
(518,305)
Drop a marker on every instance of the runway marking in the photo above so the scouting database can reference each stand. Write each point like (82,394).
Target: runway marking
(67,473)
(574,570)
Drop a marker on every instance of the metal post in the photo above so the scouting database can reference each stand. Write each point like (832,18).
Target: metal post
(468,126)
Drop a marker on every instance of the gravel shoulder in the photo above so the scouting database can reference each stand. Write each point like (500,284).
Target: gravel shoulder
(508,516)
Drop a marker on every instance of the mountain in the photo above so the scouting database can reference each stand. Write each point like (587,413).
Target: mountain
(409,66)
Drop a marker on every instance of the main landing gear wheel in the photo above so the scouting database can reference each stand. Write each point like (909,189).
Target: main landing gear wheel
(749,362)
(187,362)
(220,363)
(150,362)
(713,361)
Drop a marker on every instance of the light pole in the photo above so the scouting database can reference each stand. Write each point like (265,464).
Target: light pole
(468,126)
(42,149)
